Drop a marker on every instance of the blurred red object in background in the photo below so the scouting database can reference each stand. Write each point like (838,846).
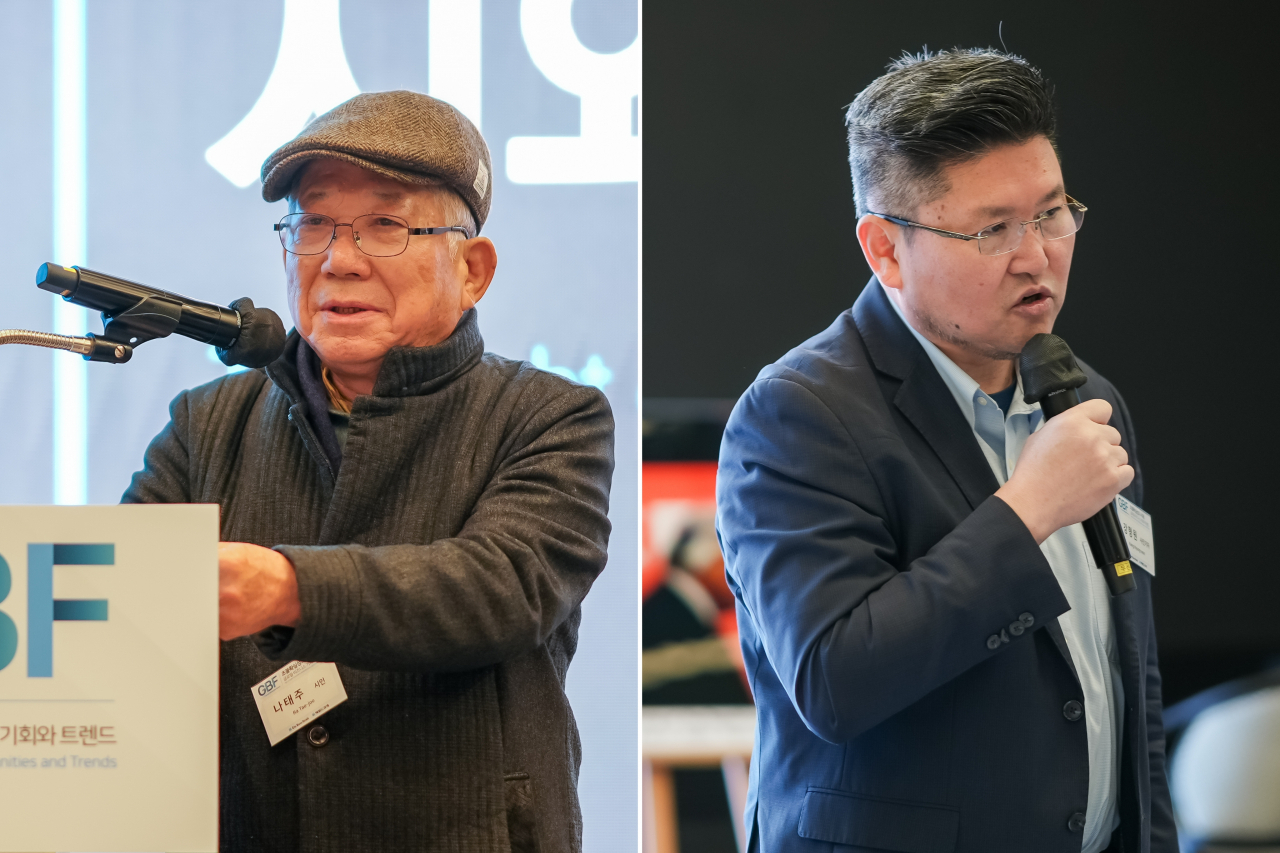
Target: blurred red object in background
(683,581)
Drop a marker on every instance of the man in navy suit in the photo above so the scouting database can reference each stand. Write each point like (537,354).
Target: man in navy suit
(937,664)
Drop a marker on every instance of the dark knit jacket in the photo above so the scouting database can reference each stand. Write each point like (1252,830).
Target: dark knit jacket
(442,567)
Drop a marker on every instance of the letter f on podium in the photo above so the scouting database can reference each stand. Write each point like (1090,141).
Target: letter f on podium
(43,609)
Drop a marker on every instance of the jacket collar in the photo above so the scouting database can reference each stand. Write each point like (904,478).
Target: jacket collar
(405,372)
(923,397)
(413,371)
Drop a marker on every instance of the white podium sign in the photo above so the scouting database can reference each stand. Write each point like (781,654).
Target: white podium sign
(109,678)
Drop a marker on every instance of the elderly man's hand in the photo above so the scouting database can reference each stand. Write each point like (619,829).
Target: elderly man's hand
(256,589)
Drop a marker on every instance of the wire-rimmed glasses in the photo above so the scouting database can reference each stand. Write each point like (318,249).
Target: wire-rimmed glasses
(1006,235)
(380,235)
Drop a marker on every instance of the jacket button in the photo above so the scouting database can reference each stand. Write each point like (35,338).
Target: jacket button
(317,736)
(1016,628)
(993,642)
(1073,710)
(1026,619)
(1075,823)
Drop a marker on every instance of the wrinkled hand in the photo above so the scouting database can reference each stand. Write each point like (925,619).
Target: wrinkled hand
(1069,470)
(256,589)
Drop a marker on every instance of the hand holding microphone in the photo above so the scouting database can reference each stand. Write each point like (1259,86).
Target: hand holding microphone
(1069,470)
(1072,470)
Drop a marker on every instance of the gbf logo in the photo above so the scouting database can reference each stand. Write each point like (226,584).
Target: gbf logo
(42,608)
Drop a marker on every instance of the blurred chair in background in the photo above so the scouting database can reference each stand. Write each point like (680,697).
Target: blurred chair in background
(1224,766)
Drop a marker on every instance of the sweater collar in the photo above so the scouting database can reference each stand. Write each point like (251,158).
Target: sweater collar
(405,372)
(413,371)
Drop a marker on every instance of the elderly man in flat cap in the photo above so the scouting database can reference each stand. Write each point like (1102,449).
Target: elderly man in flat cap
(395,500)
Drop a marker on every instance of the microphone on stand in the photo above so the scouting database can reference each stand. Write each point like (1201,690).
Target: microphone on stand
(1050,376)
(135,313)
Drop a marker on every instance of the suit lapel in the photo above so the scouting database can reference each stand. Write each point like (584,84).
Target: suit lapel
(923,398)
(1127,649)
(925,401)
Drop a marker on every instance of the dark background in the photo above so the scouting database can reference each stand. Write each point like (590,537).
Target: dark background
(749,248)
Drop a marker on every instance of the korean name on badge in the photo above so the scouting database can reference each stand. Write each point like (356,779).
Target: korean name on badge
(1136,525)
(296,694)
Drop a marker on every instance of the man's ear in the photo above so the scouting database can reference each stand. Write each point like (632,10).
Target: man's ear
(480,260)
(881,241)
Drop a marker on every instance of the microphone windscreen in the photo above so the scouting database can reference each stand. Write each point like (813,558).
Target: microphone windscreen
(261,338)
(1047,365)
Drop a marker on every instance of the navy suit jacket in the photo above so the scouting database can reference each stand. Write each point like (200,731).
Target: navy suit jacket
(871,563)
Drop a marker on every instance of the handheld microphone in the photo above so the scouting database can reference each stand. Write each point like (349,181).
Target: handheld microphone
(1051,376)
(135,313)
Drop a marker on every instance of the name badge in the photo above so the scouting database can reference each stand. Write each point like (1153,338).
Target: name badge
(296,694)
(1136,525)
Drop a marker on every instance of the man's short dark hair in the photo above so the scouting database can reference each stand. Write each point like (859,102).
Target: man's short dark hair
(935,110)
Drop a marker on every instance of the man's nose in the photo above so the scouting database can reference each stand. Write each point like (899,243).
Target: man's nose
(1030,256)
(344,256)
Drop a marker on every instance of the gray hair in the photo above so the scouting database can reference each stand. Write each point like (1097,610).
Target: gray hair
(934,110)
(456,212)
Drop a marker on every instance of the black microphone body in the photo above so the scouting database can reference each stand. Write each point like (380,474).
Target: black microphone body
(201,321)
(1051,376)
(134,313)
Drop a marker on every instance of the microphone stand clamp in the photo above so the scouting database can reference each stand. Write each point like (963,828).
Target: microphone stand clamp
(151,318)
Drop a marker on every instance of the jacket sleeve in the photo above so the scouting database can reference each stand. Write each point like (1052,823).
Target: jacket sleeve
(165,474)
(521,564)
(855,634)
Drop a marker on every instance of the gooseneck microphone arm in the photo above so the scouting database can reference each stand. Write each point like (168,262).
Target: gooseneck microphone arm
(1051,376)
(133,314)
(84,346)
(90,346)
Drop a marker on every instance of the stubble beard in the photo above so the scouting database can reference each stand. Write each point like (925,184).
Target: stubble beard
(936,329)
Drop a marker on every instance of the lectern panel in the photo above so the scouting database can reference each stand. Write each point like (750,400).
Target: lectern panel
(109,678)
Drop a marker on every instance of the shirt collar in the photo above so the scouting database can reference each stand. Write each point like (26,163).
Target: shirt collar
(962,386)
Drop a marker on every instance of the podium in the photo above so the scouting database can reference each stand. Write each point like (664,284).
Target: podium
(109,678)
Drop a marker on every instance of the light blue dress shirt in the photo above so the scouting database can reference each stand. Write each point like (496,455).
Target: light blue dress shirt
(1087,626)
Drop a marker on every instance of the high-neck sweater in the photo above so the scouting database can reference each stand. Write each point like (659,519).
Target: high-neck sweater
(441,566)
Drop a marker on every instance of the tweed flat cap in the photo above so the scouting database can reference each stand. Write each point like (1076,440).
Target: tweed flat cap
(403,135)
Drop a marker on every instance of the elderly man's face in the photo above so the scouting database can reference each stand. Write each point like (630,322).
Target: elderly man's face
(353,308)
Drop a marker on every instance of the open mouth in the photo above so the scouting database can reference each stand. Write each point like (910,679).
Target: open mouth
(1033,298)
(346,310)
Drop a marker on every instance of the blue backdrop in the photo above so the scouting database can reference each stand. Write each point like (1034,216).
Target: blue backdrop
(124,116)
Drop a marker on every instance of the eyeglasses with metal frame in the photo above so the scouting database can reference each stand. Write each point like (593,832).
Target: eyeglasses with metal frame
(379,235)
(1006,235)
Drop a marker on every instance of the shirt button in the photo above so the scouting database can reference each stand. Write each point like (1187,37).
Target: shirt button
(982,401)
(317,736)
(993,642)
(1016,629)
(1073,710)
(1075,823)
(1026,619)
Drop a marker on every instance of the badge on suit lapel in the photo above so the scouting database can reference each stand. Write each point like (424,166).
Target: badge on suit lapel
(1137,530)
